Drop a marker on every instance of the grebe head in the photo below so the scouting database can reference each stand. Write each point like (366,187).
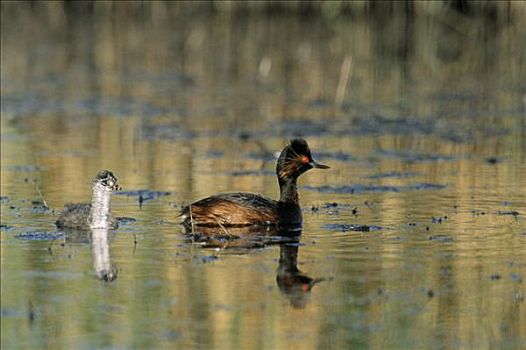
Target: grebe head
(295,159)
(106,180)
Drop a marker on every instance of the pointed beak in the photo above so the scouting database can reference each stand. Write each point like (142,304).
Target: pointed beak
(315,164)
(116,187)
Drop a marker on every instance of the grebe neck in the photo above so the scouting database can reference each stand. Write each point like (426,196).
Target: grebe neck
(100,207)
(288,191)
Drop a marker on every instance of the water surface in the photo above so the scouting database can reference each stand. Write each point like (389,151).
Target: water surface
(415,237)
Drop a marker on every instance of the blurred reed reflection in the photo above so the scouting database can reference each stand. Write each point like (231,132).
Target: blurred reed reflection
(193,100)
(147,92)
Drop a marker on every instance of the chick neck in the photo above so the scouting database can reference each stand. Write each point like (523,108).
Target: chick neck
(100,206)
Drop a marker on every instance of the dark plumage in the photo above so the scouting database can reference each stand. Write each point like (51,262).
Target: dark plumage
(82,216)
(242,209)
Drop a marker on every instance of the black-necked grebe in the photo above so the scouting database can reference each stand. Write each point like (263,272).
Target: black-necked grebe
(97,214)
(243,209)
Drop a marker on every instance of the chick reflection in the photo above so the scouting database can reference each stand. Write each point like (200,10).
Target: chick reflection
(100,251)
(292,283)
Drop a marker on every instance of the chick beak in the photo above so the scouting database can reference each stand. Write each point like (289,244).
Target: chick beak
(116,187)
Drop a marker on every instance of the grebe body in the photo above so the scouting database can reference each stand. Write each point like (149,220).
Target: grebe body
(243,209)
(97,214)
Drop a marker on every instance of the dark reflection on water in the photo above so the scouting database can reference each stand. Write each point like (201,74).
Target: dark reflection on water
(418,228)
(292,283)
(242,238)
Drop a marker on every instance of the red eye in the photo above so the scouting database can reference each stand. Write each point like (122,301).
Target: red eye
(305,160)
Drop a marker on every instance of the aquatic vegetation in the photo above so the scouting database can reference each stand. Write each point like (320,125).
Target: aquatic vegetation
(392,174)
(513,213)
(260,172)
(39,236)
(414,157)
(441,238)
(144,195)
(352,227)
(358,188)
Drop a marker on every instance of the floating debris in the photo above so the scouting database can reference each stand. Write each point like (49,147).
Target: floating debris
(330,205)
(332,208)
(208,258)
(352,227)
(425,186)
(123,220)
(41,209)
(517,277)
(251,173)
(373,188)
(352,189)
(143,195)
(441,238)
(495,277)
(39,236)
(411,157)
(511,212)
(30,168)
(493,160)
(215,154)
(435,220)
(392,174)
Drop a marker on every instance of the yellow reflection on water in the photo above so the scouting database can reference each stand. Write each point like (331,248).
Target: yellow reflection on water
(181,105)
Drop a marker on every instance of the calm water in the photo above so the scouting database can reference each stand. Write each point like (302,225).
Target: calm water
(415,238)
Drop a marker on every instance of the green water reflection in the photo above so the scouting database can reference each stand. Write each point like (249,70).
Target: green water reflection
(426,141)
